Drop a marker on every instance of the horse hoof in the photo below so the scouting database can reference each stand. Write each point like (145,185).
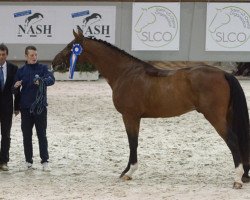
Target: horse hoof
(245,179)
(237,185)
(126,178)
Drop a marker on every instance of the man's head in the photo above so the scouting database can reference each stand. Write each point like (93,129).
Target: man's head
(3,53)
(31,54)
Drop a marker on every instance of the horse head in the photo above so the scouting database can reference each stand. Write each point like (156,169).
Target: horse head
(146,18)
(220,19)
(61,62)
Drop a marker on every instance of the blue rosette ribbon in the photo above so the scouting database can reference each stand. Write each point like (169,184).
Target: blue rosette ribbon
(76,51)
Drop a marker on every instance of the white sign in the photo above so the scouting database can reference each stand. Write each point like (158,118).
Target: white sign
(156,26)
(55,24)
(228,27)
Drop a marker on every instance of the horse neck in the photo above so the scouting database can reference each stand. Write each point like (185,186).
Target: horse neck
(110,62)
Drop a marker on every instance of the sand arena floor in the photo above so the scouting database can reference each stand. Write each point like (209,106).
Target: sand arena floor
(179,158)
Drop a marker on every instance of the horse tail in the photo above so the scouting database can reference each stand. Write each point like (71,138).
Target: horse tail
(239,117)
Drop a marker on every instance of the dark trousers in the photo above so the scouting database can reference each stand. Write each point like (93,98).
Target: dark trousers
(6,122)
(28,121)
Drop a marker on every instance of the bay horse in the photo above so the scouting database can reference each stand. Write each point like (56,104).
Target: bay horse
(142,91)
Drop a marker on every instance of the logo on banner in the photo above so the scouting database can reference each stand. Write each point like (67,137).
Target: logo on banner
(156,26)
(230,27)
(32,24)
(91,24)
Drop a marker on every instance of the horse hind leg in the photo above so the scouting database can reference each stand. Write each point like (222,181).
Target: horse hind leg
(219,122)
(233,144)
(238,121)
(132,128)
(246,166)
(246,177)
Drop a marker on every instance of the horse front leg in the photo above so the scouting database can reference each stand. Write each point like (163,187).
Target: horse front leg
(132,125)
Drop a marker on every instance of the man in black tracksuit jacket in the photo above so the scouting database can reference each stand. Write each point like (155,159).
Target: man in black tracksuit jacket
(28,87)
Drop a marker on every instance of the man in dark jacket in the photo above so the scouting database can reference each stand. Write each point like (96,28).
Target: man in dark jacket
(7,75)
(32,80)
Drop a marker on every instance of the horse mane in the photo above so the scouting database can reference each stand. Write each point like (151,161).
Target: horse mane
(149,69)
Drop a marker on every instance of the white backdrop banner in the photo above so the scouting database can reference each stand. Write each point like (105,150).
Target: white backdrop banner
(55,24)
(228,27)
(156,26)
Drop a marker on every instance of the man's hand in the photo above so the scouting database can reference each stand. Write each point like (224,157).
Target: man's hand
(18,84)
(37,82)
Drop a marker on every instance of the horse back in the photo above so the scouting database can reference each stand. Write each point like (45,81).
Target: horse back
(166,94)
(175,93)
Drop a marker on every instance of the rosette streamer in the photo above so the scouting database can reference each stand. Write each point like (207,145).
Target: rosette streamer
(76,51)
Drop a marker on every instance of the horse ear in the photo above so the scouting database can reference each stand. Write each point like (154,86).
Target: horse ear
(75,34)
(80,34)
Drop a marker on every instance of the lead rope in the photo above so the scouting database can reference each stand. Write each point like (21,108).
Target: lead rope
(38,105)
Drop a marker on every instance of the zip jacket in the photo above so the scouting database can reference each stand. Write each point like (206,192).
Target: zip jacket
(27,74)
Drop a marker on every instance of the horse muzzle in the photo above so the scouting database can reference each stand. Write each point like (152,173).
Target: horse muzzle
(58,67)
